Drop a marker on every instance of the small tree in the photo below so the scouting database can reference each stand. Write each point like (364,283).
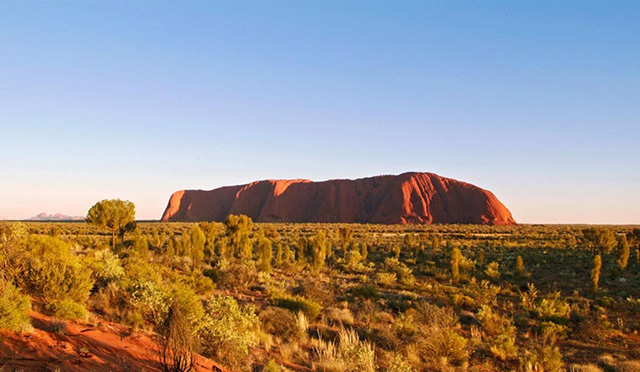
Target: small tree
(634,240)
(237,229)
(519,267)
(319,245)
(456,256)
(364,251)
(346,236)
(435,243)
(112,214)
(623,253)
(279,254)
(396,251)
(266,254)
(595,272)
(141,244)
(198,240)
(599,239)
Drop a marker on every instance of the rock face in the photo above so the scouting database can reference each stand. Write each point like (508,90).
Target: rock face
(408,198)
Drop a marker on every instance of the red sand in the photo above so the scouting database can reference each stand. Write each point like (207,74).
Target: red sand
(84,347)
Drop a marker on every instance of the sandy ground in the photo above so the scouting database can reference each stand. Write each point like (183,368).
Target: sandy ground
(83,347)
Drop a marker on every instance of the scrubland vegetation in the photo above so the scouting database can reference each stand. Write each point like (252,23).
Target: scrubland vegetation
(339,298)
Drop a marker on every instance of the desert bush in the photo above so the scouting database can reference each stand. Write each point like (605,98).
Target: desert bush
(593,329)
(227,330)
(271,366)
(313,288)
(466,264)
(529,298)
(176,341)
(235,274)
(399,364)
(137,270)
(553,308)
(200,283)
(149,299)
(628,366)
(67,309)
(402,271)
(339,315)
(105,268)
(364,310)
(542,358)
(280,322)
(366,291)
(52,272)
(188,302)
(386,279)
(57,327)
(385,338)
(14,308)
(553,331)
(493,270)
(435,316)
(348,354)
(442,345)
(483,293)
(500,332)
(295,304)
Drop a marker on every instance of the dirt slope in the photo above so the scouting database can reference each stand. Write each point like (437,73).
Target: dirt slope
(103,347)
(406,198)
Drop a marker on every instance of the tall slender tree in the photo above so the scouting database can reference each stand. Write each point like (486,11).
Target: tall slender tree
(595,272)
(456,256)
(623,253)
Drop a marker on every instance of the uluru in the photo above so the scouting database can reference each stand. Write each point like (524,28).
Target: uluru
(408,198)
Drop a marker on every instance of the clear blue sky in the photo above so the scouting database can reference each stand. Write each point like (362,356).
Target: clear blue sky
(538,101)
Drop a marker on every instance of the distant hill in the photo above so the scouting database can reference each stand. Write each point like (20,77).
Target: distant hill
(55,217)
(408,198)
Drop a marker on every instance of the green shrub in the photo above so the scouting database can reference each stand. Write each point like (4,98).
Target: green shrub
(52,272)
(14,308)
(546,358)
(309,308)
(553,308)
(105,267)
(271,366)
(366,291)
(399,364)
(386,279)
(188,302)
(227,330)
(493,270)
(150,299)
(500,333)
(440,344)
(234,275)
(67,309)
(402,272)
(280,322)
